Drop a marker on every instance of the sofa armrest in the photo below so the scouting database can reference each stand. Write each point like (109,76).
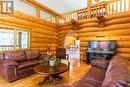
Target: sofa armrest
(9,73)
(9,63)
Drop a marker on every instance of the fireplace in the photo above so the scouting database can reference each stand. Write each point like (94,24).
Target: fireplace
(103,49)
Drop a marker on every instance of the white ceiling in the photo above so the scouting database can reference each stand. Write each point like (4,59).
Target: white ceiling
(63,5)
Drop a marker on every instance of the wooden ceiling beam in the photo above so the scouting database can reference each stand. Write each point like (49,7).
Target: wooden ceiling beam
(42,7)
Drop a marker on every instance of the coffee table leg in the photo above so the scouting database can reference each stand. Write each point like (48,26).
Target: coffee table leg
(58,76)
(51,78)
(45,79)
(55,77)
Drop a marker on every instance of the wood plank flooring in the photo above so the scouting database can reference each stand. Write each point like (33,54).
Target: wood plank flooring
(77,69)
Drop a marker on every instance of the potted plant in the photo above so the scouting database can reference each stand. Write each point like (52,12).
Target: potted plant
(51,60)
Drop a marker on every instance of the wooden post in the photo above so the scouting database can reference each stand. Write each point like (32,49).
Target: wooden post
(109,9)
(57,19)
(106,9)
(37,12)
(89,8)
(113,8)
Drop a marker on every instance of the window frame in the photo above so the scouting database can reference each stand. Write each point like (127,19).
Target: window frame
(15,36)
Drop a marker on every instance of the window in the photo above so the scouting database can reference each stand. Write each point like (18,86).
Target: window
(12,39)
(22,39)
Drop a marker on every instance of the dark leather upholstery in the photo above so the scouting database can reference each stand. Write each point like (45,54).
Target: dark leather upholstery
(61,53)
(16,64)
(90,79)
(17,56)
(32,54)
(117,74)
(100,63)
(1,56)
(28,63)
(9,63)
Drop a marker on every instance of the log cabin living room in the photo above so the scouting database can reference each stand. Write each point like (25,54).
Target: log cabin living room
(64,43)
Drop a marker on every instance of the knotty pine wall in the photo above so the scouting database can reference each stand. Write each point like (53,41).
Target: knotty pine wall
(42,32)
(117,28)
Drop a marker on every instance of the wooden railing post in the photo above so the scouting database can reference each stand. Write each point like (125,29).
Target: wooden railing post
(37,12)
(57,19)
(89,8)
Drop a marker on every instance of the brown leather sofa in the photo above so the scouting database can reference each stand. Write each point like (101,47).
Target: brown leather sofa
(17,64)
(115,73)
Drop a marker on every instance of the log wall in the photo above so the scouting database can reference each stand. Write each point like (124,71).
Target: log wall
(117,28)
(42,32)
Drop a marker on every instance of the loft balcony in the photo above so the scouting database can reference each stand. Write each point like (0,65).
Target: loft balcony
(113,7)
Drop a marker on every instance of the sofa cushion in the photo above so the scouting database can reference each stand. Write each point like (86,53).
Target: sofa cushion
(28,63)
(32,54)
(95,74)
(8,55)
(100,63)
(1,56)
(18,56)
(118,73)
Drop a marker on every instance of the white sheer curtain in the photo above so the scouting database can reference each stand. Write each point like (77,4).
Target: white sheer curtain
(6,39)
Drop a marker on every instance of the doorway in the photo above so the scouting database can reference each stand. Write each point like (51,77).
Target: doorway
(72,45)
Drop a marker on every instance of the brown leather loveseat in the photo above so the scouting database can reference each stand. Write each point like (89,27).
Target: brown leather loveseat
(115,73)
(17,64)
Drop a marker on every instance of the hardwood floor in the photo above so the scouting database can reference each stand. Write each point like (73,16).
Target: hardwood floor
(77,69)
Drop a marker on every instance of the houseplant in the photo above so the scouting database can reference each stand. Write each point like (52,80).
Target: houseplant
(50,60)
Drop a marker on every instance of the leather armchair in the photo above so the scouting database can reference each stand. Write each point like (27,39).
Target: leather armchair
(61,54)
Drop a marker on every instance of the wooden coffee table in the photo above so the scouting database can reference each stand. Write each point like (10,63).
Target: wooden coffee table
(51,72)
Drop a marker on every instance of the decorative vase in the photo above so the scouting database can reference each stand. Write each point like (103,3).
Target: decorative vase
(52,63)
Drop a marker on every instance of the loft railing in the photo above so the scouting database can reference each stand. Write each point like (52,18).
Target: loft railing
(6,47)
(105,8)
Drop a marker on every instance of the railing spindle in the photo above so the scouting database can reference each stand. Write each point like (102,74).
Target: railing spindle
(116,6)
(120,6)
(125,5)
